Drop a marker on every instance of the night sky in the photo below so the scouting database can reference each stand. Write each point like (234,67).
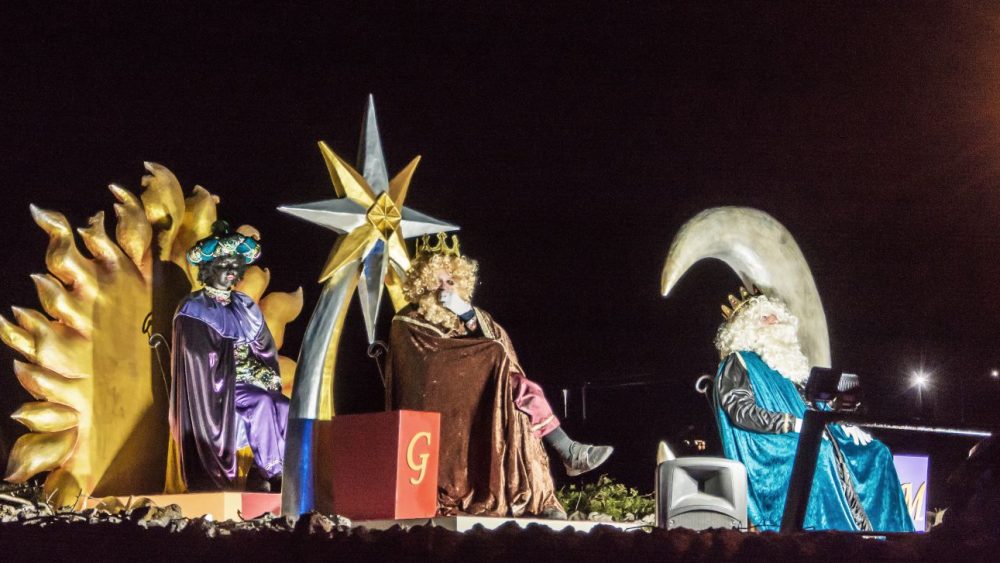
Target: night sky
(570,147)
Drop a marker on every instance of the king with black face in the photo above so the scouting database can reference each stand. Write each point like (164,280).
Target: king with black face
(223,272)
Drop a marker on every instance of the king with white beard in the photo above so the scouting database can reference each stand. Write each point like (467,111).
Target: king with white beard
(760,405)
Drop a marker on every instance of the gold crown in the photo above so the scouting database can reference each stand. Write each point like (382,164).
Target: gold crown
(736,303)
(441,246)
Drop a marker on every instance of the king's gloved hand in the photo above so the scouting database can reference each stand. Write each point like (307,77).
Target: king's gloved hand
(451,301)
(859,436)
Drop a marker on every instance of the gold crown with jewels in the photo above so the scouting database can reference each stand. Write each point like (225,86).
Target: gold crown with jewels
(440,246)
(735,304)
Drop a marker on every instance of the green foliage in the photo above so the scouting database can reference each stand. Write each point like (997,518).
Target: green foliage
(606,496)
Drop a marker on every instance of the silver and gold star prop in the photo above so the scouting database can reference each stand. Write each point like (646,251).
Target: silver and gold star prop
(370,255)
(369,213)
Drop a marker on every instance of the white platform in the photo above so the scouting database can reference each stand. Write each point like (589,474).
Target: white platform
(466,523)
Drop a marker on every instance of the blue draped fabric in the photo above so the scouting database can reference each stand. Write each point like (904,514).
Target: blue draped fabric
(769,458)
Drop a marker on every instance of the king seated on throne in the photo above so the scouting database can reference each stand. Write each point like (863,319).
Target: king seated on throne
(760,405)
(225,395)
(447,356)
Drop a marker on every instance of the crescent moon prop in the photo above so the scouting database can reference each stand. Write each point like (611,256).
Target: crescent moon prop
(762,252)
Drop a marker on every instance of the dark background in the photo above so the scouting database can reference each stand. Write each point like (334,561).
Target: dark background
(570,145)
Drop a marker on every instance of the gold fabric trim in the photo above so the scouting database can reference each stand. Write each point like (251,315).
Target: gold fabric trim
(485,326)
(244,463)
(542,424)
(175,475)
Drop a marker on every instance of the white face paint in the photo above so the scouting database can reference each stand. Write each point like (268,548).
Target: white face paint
(446,284)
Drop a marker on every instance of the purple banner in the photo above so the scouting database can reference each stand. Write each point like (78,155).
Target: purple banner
(912,470)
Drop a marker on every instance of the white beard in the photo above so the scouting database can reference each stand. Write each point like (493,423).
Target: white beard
(778,345)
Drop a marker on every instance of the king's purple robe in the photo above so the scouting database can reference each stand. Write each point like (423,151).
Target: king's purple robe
(211,414)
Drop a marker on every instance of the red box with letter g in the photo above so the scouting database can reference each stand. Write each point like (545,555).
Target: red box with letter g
(380,465)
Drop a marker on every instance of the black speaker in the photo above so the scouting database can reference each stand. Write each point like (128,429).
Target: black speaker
(701,493)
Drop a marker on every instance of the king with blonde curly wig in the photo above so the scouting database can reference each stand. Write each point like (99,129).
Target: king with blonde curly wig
(422,287)
(449,357)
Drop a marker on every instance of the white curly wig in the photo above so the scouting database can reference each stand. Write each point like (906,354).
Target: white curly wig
(777,344)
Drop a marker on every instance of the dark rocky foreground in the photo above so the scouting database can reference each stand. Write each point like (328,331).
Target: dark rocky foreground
(151,534)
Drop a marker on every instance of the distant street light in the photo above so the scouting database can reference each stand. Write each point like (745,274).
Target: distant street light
(995,376)
(921,380)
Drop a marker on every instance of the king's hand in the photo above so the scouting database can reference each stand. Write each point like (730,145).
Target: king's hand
(451,301)
(859,436)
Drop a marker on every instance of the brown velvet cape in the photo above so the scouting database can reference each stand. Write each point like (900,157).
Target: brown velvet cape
(490,463)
